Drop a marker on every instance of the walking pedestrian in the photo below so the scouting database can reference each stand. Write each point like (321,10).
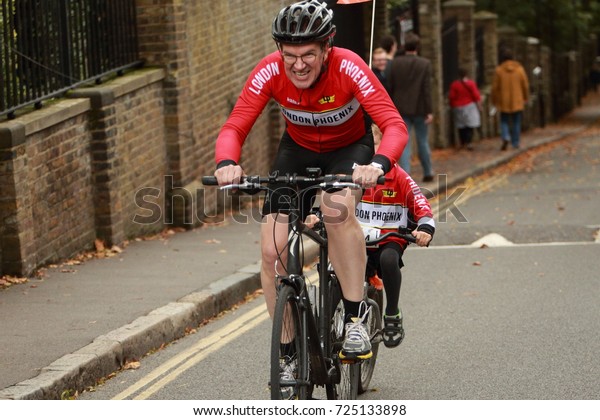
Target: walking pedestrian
(510,93)
(410,89)
(465,101)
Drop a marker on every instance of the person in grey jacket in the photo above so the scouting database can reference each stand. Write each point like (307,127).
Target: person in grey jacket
(409,82)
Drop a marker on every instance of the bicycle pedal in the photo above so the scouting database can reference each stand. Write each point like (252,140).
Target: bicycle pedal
(354,358)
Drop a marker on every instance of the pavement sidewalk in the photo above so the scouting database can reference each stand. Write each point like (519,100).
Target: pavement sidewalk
(80,323)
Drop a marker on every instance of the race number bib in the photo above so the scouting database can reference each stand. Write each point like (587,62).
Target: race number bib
(371,234)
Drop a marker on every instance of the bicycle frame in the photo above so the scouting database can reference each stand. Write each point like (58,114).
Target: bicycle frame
(321,366)
(318,348)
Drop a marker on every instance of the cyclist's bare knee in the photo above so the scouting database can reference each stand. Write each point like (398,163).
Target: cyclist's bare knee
(338,207)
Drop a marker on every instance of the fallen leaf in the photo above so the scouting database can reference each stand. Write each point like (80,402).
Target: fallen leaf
(99,244)
(477,263)
(132,365)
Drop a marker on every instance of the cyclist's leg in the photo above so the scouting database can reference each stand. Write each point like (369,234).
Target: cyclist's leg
(390,263)
(346,240)
(291,158)
(346,243)
(273,240)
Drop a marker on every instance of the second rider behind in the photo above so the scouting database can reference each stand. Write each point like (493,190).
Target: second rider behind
(324,93)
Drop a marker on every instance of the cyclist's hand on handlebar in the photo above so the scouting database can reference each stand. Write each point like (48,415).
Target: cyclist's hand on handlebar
(366,175)
(311,220)
(423,238)
(230,174)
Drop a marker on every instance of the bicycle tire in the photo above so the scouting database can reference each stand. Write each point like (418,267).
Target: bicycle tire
(347,388)
(283,328)
(367,367)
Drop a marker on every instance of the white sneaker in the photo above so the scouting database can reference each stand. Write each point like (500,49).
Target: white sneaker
(357,343)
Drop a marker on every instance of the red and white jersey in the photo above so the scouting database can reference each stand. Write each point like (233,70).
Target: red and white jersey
(387,207)
(323,118)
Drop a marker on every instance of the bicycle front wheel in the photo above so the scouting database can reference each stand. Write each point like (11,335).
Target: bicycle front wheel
(289,359)
(347,388)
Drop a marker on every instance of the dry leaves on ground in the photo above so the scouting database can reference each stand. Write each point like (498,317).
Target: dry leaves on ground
(7,281)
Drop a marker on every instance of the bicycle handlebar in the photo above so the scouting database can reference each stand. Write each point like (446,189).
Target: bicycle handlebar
(401,233)
(256,181)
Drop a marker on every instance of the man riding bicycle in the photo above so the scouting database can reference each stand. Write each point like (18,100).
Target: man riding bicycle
(324,94)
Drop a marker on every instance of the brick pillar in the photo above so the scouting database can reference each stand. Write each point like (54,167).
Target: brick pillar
(487,23)
(463,11)
(16,216)
(430,24)
(105,164)
(163,42)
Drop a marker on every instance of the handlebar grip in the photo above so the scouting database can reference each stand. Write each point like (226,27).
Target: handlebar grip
(209,180)
(381,180)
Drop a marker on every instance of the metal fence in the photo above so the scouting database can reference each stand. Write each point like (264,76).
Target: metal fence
(449,52)
(50,46)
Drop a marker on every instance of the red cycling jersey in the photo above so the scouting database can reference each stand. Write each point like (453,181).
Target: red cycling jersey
(323,118)
(386,207)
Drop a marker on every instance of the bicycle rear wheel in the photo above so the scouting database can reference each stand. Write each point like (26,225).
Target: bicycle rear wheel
(367,367)
(289,359)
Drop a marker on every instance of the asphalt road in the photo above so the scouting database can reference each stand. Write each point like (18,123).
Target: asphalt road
(504,306)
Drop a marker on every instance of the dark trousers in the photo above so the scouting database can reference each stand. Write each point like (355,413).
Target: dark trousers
(465,135)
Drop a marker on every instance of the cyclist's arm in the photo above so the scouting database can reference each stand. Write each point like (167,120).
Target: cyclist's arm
(377,103)
(247,109)
(418,206)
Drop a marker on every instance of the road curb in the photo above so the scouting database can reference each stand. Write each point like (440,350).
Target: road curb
(109,352)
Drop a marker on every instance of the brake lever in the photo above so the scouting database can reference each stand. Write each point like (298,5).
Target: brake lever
(243,186)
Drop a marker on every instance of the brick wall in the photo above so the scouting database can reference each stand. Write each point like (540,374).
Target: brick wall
(124,158)
(47,207)
(73,171)
(208,53)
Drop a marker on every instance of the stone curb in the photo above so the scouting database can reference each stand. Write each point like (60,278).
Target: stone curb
(109,352)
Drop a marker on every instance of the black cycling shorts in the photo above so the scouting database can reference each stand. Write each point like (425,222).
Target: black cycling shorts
(294,159)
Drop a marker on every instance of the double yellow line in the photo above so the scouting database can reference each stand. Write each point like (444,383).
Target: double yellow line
(169,371)
(174,367)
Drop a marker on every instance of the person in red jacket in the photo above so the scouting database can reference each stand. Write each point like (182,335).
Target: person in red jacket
(399,203)
(465,101)
(327,96)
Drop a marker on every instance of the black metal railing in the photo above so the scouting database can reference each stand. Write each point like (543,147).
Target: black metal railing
(50,46)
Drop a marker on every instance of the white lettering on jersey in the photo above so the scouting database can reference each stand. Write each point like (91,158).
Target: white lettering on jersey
(382,216)
(328,118)
(263,76)
(358,76)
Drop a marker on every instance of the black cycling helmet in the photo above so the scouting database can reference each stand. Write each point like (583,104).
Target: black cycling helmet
(304,22)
